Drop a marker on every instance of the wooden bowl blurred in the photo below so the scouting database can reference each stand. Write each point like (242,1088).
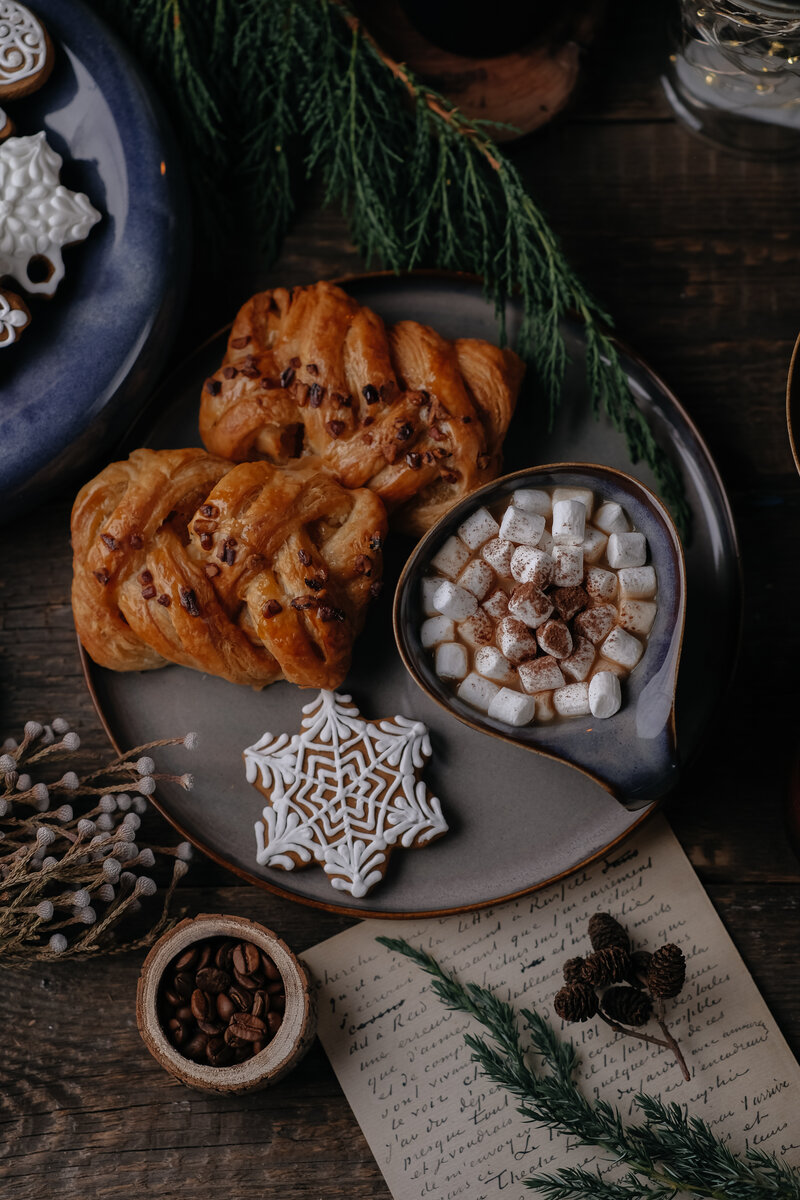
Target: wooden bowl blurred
(524,88)
(279,1056)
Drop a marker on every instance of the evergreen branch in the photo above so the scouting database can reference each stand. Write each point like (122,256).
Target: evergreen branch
(668,1154)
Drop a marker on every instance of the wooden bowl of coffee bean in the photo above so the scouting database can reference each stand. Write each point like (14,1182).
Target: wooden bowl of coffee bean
(224,1005)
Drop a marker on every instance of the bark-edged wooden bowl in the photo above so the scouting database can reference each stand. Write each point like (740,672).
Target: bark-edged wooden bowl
(279,1056)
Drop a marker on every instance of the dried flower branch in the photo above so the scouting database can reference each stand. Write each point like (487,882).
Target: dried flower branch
(669,1154)
(71,867)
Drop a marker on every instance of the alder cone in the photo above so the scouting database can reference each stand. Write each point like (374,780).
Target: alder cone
(575,1002)
(573,970)
(627,1005)
(611,965)
(667,973)
(605,931)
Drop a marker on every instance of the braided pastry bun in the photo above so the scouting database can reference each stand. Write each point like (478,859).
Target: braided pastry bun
(247,572)
(311,373)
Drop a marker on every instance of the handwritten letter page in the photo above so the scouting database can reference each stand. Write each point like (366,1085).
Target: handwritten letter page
(440,1130)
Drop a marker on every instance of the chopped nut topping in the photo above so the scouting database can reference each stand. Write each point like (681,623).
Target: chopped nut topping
(414,460)
(163,600)
(239,343)
(328,613)
(436,433)
(370,394)
(304,602)
(213,387)
(363,565)
(316,585)
(206,541)
(466,420)
(483,462)
(376,588)
(369,420)
(211,570)
(204,526)
(136,541)
(313,369)
(271,609)
(346,401)
(209,510)
(375,542)
(102,576)
(294,362)
(268,383)
(450,476)
(287,376)
(146,577)
(227,552)
(148,592)
(109,540)
(304,556)
(335,428)
(229,372)
(315,395)
(367,439)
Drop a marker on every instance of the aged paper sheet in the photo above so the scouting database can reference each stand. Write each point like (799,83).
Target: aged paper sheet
(439,1130)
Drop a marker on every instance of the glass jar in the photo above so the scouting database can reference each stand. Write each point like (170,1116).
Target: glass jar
(734,75)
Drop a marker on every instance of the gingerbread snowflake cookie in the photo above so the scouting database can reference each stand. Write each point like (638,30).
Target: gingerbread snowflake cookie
(15,317)
(345,792)
(38,215)
(6,125)
(26,52)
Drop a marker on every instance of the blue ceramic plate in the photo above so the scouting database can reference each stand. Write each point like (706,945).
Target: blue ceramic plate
(74,383)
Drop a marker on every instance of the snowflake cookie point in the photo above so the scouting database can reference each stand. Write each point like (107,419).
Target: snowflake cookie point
(344,792)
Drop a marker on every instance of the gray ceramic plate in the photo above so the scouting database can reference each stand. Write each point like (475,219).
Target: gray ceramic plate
(517,820)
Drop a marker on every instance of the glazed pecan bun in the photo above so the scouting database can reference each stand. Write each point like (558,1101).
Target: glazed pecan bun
(312,374)
(248,572)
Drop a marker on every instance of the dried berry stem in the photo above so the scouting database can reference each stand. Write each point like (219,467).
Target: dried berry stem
(668,1044)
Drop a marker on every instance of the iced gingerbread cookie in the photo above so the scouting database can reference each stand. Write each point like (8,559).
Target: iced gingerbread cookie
(26,52)
(345,792)
(6,125)
(38,215)
(15,317)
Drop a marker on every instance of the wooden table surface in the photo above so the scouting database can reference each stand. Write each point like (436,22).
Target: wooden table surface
(695,253)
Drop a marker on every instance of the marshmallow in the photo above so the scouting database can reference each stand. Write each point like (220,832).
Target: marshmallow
(429,586)
(611,518)
(546,542)
(569,522)
(477,691)
(568,566)
(578,665)
(435,630)
(594,544)
(600,584)
(569,601)
(477,630)
(622,648)
(478,528)
(453,601)
(496,605)
(555,639)
(530,604)
(605,695)
(544,706)
(572,700)
(626,550)
(541,675)
(637,583)
(518,526)
(477,577)
(529,564)
(532,500)
(497,553)
(512,707)
(451,660)
(490,663)
(515,640)
(637,616)
(451,558)
(584,495)
(595,623)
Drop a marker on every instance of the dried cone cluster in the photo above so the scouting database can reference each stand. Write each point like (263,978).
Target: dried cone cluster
(615,981)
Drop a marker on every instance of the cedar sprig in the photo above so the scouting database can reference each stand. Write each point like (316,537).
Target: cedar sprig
(271,95)
(73,868)
(671,1152)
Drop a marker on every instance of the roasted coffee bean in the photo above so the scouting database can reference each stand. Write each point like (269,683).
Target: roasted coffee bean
(212,1028)
(218,1052)
(246,981)
(223,955)
(172,998)
(260,1004)
(274,1022)
(211,979)
(225,1007)
(196,1047)
(257,1048)
(178,1031)
(232,1039)
(242,997)
(270,970)
(201,1005)
(242,1053)
(273,988)
(184,1013)
(246,958)
(205,955)
(185,961)
(247,1027)
(184,984)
